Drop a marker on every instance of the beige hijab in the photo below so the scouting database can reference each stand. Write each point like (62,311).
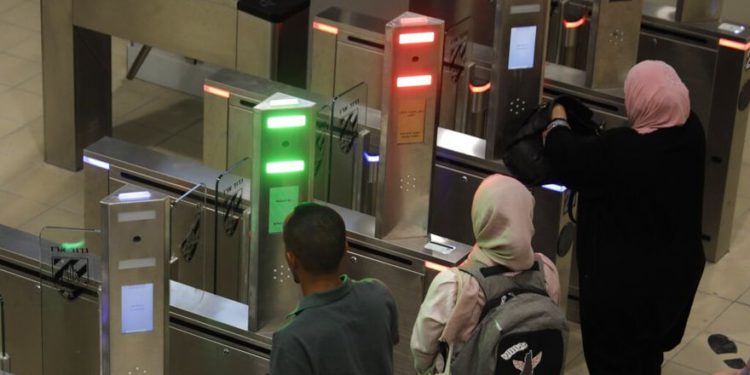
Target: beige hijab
(502,215)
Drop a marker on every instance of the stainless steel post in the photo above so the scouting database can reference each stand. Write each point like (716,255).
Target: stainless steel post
(712,59)
(338,38)
(228,114)
(519,44)
(283,151)
(411,87)
(725,138)
(698,10)
(613,42)
(134,302)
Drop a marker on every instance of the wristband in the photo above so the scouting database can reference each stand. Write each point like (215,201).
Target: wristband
(553,124)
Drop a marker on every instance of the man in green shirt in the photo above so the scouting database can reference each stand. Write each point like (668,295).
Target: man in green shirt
(341,326)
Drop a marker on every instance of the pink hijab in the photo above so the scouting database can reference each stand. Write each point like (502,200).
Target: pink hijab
(655,97)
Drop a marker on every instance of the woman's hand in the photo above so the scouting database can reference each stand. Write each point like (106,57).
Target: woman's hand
(558,111)
(559,118)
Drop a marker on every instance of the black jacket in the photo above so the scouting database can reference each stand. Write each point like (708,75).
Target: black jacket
(639,248)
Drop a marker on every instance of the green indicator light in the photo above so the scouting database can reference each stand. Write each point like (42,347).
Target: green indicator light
(279,122)
(71,246)
(285,166)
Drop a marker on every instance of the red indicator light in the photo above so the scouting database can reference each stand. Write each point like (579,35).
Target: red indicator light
(480,89)
(216,91)
(325,28)
(574,24)
(414,38)
(734,45)
(435,266)
(413,81)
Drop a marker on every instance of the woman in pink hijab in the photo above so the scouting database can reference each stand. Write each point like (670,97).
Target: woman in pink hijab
(639,249)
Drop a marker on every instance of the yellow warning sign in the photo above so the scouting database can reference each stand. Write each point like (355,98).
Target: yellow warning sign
(410,126)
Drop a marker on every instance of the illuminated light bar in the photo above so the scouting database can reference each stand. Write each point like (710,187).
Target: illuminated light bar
(134,196)
(283,102)
(574,24)
(372,158)
(325,28)
(435,266)
(413,20)
(280,122)
(414,81)
(96,162)
(480,89)
(285,166)
(70,246)
(216,91)
(557,188)
(734,45)
(415,38)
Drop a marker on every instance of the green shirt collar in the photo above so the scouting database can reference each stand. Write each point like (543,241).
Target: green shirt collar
(324,298)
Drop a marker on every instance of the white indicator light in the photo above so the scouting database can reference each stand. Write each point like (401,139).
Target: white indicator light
(557,188)
(325,28)
(279,122)
(134,196)
(283,102)
(96,162)
(413,81)
(216,91)
(372,158)
(413,20)
(414,38)
(732,28)
(285,166)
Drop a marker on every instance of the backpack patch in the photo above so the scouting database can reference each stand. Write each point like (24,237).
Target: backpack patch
(530,352)
(521,330)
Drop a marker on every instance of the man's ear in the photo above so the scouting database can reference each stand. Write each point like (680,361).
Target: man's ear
(291,260)
(293,263)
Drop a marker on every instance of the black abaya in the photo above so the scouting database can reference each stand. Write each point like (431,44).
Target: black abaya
(639,248)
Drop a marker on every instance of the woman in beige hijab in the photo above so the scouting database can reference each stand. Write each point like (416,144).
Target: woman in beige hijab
(502,214)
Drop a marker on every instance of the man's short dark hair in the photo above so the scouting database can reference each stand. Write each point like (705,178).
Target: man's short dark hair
(316,235)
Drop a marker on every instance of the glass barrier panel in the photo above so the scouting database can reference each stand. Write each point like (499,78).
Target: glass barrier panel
(188,237)
(231,201)
(350,143)
(322,162)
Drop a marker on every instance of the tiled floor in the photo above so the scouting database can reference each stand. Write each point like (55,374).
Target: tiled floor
(34,194)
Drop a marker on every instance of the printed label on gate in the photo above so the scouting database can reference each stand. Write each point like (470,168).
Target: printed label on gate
(282,201)
(410,127)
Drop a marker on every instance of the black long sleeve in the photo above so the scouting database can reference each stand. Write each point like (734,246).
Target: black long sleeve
(579,162)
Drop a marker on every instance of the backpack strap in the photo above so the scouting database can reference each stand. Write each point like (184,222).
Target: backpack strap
(443,348)
(498,287)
